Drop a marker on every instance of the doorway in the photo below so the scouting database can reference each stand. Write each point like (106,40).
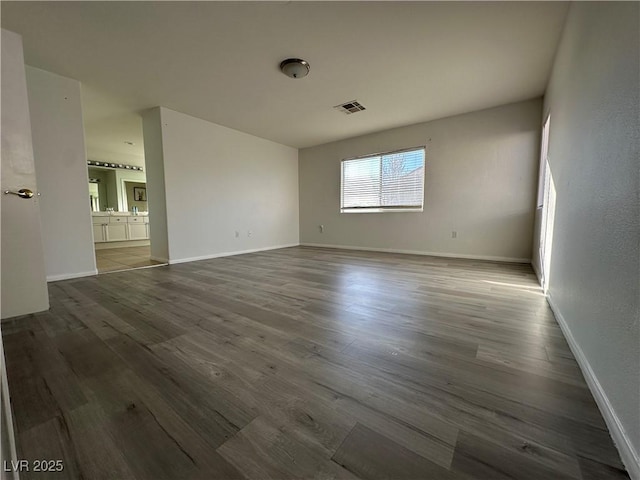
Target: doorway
(120,216)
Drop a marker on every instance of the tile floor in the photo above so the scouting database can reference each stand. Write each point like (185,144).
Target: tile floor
(126,258)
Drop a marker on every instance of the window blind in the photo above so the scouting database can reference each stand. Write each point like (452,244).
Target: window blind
(387,182)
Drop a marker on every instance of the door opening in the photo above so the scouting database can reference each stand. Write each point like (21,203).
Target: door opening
(119,206)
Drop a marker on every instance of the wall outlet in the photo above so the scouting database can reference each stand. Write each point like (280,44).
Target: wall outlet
(454,234)
(321,227)
(249,233)
(237,234)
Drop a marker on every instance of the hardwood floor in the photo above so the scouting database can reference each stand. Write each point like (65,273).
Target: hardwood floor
(304,363)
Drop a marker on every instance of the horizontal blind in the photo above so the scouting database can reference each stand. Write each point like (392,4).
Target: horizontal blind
(361,182)
(389,181)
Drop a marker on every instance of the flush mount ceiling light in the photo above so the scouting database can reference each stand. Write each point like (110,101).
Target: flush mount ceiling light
(295,67)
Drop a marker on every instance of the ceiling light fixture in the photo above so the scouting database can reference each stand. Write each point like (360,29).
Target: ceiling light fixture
(295,67)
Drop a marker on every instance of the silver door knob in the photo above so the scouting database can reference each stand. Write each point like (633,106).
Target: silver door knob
(22,193)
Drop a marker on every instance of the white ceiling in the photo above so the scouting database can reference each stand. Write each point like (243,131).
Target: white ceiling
(407,62)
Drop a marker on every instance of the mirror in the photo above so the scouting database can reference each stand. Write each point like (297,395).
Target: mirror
(117,189)
(94,195)
(136,195)
(102,189)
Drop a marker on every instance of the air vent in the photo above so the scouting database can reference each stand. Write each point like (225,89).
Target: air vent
(350,107)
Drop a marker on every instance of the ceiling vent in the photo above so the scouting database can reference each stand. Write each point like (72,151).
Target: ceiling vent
(350,107)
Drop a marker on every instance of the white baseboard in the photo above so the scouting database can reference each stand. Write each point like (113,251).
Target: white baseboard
(419,252)
(67,276)
(130,269)
(628,454)
(229,254)
(121,244)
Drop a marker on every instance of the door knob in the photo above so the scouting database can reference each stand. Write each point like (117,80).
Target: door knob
(22,193)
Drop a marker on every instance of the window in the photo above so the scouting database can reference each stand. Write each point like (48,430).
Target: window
(383,183)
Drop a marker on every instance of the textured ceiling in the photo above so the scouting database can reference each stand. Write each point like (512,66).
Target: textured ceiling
(406,62)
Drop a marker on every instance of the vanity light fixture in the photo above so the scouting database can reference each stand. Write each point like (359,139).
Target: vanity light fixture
(93,163)
(295,67)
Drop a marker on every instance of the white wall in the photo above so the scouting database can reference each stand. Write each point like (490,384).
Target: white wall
(24,285)
(156,189)
(61,171)
(480,181)
(594,157)
(219,181)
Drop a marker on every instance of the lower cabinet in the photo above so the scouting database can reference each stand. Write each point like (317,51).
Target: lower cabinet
(116,232)
(120,228)
(138,231)
(99,233)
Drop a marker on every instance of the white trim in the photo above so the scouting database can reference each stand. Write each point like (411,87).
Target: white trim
(129,269)
(143,242)
(389,152)
(382,210)
(418,252)
(229,254)
(67,276)
(628,454)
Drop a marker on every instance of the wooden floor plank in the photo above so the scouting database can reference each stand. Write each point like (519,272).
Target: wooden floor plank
(371,455)
(282,453)
(49,440)
(480,458)
(594,470)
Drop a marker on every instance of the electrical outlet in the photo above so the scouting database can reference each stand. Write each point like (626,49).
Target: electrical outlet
(454,234)
(321,227)
(249,233)
(237,234)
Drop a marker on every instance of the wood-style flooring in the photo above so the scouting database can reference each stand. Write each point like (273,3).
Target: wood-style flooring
(304,363)
(124,258)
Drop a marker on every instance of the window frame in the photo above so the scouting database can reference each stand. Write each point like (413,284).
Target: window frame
(382,209)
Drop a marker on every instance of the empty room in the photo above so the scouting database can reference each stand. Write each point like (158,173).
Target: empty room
(314,240)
